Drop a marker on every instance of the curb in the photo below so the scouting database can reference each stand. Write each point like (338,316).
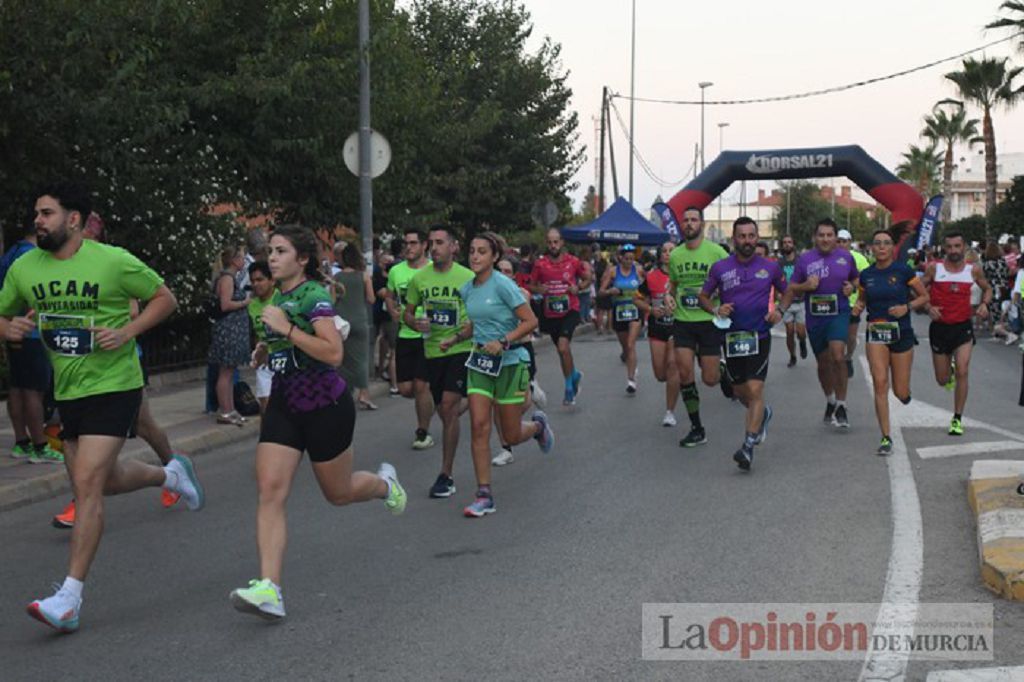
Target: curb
(999,514)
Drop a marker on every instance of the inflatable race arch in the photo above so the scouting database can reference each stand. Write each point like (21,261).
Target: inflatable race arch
(851,161)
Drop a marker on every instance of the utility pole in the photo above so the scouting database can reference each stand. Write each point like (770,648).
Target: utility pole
(721,128)
(365,179)
(611,153)
(702,85)
(632,101)
(600,174)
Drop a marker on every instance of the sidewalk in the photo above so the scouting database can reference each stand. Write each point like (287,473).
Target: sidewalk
(178,408)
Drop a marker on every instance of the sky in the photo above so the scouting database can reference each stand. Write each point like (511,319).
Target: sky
(752,48)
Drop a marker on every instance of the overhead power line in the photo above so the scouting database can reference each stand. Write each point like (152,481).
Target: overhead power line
(825,91)
(644,165)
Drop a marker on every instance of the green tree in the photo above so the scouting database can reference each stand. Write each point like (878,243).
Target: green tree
(1014,21)
(949,129)
(921,168)
(988,83)
(1008,215)
(800,209)
(509,137)
(973,227)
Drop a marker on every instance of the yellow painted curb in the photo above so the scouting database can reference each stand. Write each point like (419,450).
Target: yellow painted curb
(999,518)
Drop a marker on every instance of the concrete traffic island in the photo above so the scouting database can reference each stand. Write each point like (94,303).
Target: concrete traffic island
(992,492)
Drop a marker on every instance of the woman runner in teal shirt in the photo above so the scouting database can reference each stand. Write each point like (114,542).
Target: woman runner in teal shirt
(498,376)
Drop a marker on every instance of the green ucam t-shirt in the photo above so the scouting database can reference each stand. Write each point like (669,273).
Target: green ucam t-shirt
(438,293)
(399,277)
(687,269)
(91,289)
(862,263)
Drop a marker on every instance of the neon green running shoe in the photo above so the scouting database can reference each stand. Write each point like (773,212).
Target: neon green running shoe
(21,452)
(395,501)
(45,456)
(955,427)
(262,598)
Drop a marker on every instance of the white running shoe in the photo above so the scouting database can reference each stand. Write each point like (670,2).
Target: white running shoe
(59,611)
(502,458)
(669,419)
(540,398)
(631,387)
(181,479)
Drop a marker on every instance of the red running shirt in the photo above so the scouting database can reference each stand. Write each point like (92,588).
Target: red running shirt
(559,273)
(951,293)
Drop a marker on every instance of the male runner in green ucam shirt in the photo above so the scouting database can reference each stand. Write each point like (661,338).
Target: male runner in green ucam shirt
(410,363)
(79,292)
(694,332)
(435,289)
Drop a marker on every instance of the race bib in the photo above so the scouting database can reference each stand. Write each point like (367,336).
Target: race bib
(689,299)
(883,332)
(485,363)
(741,344)
(557,305)
(659,302)
(443,315)
(824,304)
(626,312)
(279,361)
(66,334)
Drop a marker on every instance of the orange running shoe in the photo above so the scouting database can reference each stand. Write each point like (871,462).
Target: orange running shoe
(66,519)
(169,499)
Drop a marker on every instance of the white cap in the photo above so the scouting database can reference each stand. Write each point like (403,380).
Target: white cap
(845,234)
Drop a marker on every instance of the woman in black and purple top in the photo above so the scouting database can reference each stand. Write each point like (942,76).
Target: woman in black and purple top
(309,411)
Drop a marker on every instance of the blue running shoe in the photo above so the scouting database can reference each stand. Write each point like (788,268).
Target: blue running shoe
(482,506)
(570,397)
(577,377)
(546,437)
(744,457)
(762,434)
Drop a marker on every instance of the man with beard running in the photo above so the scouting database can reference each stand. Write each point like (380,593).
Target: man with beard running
(80,292)
(559,277)
(826,275)
(793,316)
(951,333)
(696,336)
(745,283)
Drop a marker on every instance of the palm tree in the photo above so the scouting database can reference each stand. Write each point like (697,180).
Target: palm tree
(920,167)
(941,127)
(1015,24)
(987,83)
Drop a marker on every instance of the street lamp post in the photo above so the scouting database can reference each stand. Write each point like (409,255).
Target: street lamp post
(632,99)
(721,128)
(702,85)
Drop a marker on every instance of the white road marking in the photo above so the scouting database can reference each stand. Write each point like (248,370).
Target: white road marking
(968,449)
(906,558)
(1004,674)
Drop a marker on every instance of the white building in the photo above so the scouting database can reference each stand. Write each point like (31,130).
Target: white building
(967,197)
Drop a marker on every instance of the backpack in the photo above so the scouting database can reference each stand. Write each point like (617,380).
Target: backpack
(245,402)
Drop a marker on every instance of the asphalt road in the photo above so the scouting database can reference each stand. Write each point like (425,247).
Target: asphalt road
(551,586)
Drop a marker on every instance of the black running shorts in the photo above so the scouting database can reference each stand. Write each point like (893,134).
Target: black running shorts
(105,414)
(559,327)
(447,375)
(750,367)
(410,363)
(324,433)
(702,337)
(946,338)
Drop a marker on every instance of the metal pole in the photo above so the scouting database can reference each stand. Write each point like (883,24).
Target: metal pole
(365,180)
(611,152)
(721,131)
(702,85)
(789,209)
(632,100)
(600,174)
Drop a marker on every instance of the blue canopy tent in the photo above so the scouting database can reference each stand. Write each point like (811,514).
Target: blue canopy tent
(620,224)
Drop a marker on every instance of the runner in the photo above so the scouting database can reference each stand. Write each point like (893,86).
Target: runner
(79,292)
(309,411)
(536,394)
(651,299)
(499,319)
(845,238)
(827,275)
(745,282)
(264,293)
(889,291)
(559,277)
(434,289)
(410,362)
(793,316)
(696,336)
(951,333)
(621,282)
